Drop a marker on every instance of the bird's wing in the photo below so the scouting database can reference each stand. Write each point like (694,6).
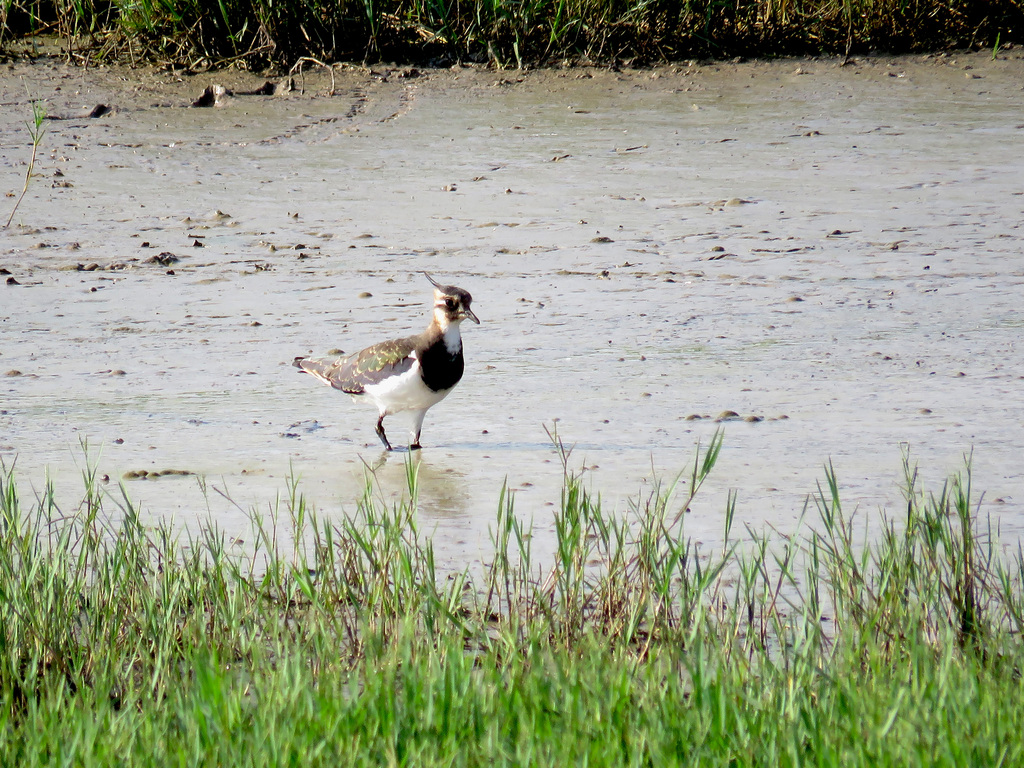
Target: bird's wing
(352,374)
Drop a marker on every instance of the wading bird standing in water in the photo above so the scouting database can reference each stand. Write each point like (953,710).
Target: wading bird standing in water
(408,374)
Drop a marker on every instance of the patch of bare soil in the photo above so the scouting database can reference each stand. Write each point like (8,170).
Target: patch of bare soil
(823,260)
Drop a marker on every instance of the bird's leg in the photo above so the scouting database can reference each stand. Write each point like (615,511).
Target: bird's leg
(417,425)
(380,433)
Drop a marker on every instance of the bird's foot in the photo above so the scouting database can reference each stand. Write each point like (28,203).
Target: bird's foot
(415,447)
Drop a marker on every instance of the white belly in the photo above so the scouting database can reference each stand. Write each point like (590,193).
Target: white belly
(406,392)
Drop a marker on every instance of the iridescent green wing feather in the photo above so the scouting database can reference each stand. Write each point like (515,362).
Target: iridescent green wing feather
(372,365)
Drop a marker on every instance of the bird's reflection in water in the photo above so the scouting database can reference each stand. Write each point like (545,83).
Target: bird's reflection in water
(440,487)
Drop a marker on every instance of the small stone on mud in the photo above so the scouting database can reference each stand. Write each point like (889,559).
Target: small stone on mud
(727,415)
(13,372)
(118,372)
(267,89)
(694,417)
(163,259)
(12,281)
(601,239)
(754,419)
(365,295)
(212,96)
(925,411)
(718,249)
(734,201)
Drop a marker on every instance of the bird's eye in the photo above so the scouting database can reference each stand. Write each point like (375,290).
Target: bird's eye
(450,303)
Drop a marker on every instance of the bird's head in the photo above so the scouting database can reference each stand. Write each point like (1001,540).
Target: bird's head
(451,304)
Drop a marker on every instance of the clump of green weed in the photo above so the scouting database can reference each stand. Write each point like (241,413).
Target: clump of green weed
(502,33)
(321,639)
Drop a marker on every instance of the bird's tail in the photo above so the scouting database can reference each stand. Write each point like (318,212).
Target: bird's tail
(318,367)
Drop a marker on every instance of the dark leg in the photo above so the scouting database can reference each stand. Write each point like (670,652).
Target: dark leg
(380,433)
(415,445)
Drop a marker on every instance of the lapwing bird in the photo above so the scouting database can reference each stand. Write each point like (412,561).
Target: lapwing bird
(408,374)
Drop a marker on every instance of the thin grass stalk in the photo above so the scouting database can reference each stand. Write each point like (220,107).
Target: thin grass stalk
(35,132)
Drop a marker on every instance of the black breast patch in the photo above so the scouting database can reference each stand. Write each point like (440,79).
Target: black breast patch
(441,369)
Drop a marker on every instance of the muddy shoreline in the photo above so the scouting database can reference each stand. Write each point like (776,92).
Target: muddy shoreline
(833,253)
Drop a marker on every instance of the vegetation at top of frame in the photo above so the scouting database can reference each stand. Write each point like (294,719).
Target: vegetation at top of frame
(258,33)
(342,642)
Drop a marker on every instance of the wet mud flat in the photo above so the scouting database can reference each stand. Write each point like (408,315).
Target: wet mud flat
(831,254)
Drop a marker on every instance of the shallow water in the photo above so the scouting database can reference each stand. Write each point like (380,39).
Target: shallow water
(836,250)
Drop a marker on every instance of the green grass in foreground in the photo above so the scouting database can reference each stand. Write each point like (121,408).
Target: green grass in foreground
(504,32)
(123,644)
